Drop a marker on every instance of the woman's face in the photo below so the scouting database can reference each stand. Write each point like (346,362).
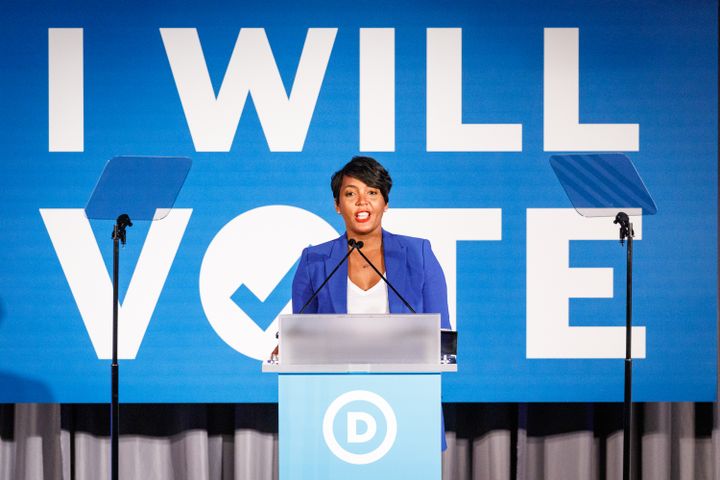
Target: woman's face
(361,206)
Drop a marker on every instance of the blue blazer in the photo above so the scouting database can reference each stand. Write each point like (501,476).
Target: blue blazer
(410,265)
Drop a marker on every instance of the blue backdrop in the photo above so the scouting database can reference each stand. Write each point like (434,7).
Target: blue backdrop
(82,82)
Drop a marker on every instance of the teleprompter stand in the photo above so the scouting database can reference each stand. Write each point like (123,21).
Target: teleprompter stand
(626,232)
(139,188)
(608,185)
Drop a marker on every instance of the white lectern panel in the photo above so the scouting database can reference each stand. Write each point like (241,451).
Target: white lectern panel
(328,339)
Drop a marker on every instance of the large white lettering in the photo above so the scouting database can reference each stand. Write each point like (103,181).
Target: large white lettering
(252,70)
(90,283)
(445,130)
(562,128)
(377,89)
(261,260)
(285,119)
(551,283)
(65,90)
(444,227)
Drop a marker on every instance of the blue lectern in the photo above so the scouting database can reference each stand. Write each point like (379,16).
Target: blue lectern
(359,396)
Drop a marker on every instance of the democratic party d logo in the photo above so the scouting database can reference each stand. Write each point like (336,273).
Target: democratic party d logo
(361,427)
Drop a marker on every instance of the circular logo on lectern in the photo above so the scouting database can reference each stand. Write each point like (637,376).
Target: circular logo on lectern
(361,426)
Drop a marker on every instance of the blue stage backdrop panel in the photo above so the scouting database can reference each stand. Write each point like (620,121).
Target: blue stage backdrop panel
(464,103)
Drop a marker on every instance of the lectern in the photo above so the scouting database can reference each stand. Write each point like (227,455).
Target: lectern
(359,396)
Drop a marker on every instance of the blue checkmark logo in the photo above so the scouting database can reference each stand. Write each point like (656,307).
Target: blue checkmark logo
(263,313)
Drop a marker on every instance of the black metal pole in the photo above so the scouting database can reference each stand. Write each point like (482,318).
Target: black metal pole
(118,236)
(627,406)
(114,368)
(626,232)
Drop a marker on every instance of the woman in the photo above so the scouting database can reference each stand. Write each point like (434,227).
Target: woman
(361,190)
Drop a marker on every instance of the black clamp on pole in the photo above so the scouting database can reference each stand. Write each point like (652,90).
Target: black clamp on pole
(626,230)
(122,222)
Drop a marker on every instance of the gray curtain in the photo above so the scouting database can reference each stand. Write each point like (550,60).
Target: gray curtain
(485,442)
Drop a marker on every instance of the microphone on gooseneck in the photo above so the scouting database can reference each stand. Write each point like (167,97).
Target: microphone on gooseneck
(359,245)
(353,246)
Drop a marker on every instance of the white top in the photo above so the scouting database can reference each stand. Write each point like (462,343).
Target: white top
(374,300)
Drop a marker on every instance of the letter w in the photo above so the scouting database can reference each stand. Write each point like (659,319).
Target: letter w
(90,283)
(252,69)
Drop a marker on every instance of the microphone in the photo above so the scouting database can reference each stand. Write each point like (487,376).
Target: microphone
(353,246)
(359,245)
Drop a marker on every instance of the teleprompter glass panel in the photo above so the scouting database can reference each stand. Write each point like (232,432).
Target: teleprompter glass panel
(601,185)
(144,188)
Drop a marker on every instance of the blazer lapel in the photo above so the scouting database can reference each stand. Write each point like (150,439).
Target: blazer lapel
(396,271)
(337,285)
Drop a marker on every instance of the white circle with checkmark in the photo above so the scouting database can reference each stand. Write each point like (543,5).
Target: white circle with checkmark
(256,249)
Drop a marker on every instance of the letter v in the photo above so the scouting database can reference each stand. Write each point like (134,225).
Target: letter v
(90,283)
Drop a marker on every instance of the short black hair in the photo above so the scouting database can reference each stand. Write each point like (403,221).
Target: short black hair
(367,170)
